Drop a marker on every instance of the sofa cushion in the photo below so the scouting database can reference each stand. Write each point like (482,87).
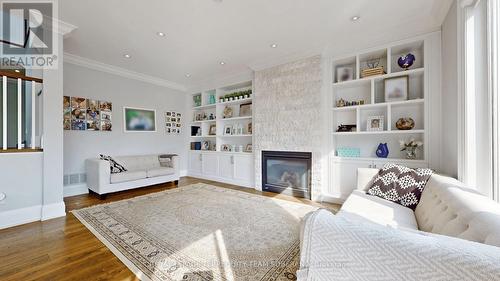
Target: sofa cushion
(400,184)
(128,176)
(364,207)
(139,162)
(447,207)
(162,171)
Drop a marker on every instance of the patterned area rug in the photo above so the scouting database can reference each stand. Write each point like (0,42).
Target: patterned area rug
(201,232)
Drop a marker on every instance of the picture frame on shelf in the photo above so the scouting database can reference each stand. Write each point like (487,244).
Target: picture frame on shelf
(205,145)
(345,73)
(396,89)
(248,148)
(249,128)
(375,123)
(228,130)
(212,131)
(246,109)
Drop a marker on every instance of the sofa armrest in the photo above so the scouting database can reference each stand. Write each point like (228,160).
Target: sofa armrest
(98,174)
(176,165)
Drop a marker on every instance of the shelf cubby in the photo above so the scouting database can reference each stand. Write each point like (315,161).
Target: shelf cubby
(345,62)
(378,55)
(416,48)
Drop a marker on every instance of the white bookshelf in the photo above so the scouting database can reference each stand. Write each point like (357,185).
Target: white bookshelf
(370,90)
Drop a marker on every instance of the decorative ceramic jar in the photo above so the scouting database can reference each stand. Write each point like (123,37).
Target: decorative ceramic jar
(407,61)
(382,150)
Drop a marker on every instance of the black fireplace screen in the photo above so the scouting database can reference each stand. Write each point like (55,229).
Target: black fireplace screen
(287,172)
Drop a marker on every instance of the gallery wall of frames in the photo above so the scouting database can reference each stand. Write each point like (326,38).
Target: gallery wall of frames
(83,114)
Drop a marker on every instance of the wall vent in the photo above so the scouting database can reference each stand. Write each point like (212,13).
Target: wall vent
(73,179)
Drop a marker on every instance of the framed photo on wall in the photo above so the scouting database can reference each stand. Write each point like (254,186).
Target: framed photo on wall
(139,119)
(396,89)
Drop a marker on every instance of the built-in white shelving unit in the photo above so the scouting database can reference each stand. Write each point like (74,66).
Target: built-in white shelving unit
(369,94)
(235,166)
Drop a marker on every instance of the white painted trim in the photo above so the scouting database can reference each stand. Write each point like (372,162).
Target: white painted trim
(99,66)
(19,113)
(52,211)
(76,189)
(20,216)
(64,28)
(33,115)
(4,112)
(332,198)
(461,110)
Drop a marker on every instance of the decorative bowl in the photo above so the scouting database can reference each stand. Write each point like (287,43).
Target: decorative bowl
(405,123)
(406,61)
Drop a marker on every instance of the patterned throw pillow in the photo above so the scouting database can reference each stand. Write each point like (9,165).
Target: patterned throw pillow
(113,165)
(400,184)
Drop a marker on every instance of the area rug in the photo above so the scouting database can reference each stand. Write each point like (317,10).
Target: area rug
(201,232)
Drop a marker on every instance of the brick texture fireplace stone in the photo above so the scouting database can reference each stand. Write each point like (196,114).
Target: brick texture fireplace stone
(288,115)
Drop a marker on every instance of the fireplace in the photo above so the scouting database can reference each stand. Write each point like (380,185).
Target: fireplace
(287,173)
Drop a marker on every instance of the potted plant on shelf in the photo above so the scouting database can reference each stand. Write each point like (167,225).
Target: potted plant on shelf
(410,148)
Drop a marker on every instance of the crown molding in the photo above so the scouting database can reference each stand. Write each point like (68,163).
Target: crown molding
(64,28)
(92,64)
(221,80)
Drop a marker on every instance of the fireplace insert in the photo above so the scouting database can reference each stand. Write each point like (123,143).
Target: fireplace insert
(287,172)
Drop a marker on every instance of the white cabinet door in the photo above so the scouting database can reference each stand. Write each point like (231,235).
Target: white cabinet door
(195,163)
(226,166)
(210,164)
(243,168)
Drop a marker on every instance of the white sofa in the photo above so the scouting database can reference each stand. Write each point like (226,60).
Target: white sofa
(142,170)
(447,210)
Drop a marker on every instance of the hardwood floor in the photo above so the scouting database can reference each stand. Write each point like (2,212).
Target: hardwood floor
(64,249)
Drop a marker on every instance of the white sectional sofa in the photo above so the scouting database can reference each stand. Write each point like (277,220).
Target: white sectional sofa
(142,170)
(369,233)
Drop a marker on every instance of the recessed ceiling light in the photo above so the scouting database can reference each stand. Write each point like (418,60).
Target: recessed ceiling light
(17,70)
(161,34)
(127,56)
(274,45)
(188,75)
(355,18)
(222,63)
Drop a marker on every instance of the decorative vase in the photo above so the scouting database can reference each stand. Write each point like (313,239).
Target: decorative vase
(405,123)
(407,61)
(382,150)
(411,152)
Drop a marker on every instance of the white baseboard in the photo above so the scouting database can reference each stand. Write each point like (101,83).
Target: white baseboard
(20,216)
(52,211)
(77,189)
(335,199)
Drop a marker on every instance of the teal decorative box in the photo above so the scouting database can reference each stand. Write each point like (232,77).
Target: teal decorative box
(348,152)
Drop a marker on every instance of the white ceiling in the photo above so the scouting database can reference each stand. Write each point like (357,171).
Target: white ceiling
(201,33)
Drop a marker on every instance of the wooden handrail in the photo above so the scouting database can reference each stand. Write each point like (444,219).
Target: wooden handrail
(19,75)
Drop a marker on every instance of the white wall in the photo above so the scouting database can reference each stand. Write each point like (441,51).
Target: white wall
(80,145)
(449,116)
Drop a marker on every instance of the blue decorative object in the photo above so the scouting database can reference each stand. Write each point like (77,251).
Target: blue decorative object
(348,152)
(406,61)
(382,150)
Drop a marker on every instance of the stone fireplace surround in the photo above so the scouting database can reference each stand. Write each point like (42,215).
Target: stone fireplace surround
(288,116)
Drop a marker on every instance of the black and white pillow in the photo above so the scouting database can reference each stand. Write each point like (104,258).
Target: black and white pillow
(400,184)
(113,165)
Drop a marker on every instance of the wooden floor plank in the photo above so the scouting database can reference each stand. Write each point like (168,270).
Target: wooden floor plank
(64,249)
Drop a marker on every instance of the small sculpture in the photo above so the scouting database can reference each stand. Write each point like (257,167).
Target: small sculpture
(410,148)
(407,61)
(382,150)
(405,123)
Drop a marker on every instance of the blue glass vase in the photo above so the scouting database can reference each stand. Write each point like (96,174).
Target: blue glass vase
(382,150)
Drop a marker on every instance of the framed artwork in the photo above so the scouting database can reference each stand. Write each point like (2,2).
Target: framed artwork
(205,145)
(228,130)
(248,148)
(246,109)
(396,89)
(139,120)
(345,73)
(375,123)
(83,114)
(249,128)
(172,122)
(213,130)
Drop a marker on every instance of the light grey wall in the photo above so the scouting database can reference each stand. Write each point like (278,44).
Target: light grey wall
(80,145)
(450,94)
